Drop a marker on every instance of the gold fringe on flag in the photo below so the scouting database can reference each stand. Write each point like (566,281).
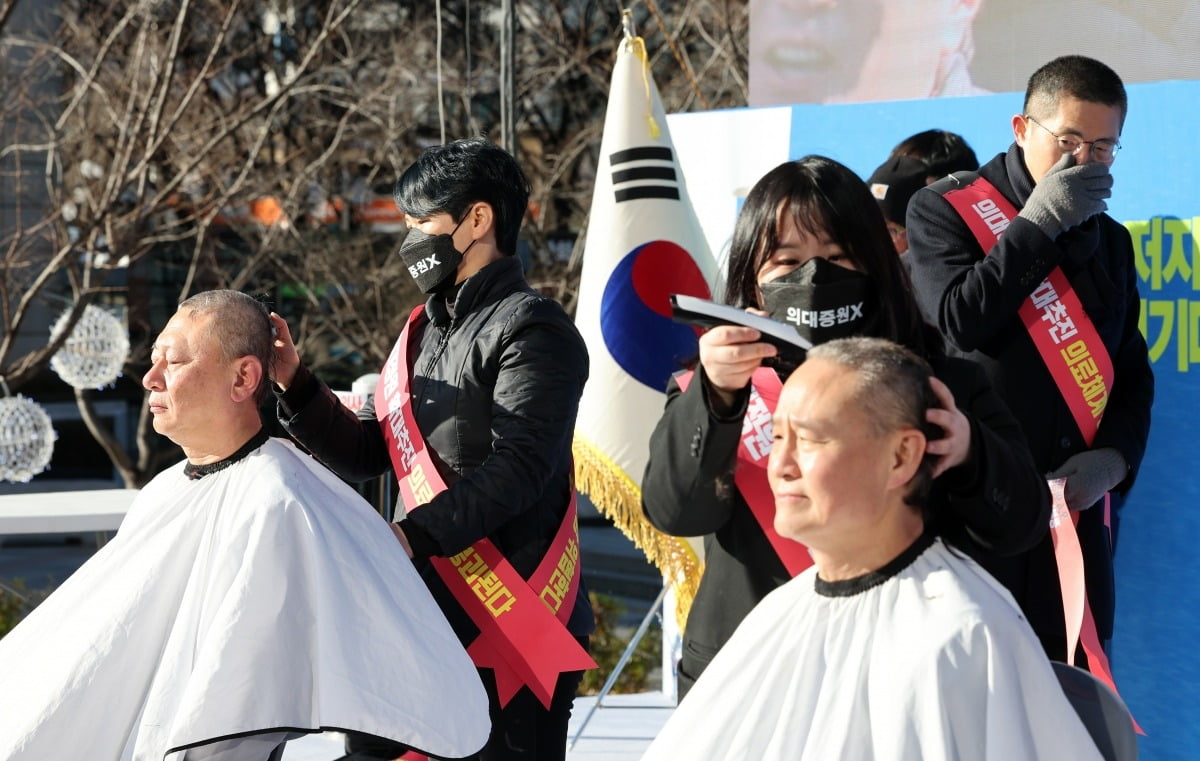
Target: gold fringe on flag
(620,500)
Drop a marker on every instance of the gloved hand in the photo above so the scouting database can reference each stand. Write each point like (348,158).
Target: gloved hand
(1090,475)
(1068,195)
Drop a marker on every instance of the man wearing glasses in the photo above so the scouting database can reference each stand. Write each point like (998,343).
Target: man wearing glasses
(1021,270)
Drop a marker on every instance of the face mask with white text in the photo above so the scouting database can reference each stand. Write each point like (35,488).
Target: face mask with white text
(432,260)
(822,300)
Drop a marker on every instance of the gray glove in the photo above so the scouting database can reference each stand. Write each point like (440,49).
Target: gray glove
(1068,195)
(1090,475)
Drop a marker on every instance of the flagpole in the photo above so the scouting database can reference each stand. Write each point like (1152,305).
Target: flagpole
(624,659)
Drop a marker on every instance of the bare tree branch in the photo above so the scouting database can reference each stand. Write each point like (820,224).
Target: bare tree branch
(151,150)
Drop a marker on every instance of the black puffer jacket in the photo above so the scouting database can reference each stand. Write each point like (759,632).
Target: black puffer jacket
(496,381)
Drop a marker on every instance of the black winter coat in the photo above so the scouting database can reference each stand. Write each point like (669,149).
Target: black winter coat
(973,299)
(993,504)
(496,382)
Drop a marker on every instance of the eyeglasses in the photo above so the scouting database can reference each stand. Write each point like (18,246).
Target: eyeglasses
(1103,150)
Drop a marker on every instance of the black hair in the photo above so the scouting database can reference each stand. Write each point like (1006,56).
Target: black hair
(449,178)
(940,151)
(822,195)
(1074,76)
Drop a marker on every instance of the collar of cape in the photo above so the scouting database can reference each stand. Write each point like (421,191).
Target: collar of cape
(872,579)
(196,472)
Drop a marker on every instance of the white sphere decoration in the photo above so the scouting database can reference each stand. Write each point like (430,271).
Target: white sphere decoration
(26,438)
(92,356)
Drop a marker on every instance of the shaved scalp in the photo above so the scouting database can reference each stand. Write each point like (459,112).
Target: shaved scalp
(241,327)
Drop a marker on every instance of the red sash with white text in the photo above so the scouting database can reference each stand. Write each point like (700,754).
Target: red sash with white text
(1082,369)
(522,624)
(1061,330)
(750,472)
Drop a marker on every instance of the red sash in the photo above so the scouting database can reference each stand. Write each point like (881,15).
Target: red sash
(522,624)
(750,472)
(1078,361)
(1061,330)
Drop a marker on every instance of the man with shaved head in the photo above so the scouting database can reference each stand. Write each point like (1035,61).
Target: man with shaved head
(893,644)
(247,599)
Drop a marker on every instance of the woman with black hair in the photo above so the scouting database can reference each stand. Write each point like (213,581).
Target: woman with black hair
(810,248)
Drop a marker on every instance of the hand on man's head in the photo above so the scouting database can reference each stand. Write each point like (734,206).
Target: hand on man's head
(287,359)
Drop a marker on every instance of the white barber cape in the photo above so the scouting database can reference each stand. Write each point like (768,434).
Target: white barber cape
(927,659)
(261,597)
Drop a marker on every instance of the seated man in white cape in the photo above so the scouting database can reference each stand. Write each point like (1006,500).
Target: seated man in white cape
(250,596)
(893,645)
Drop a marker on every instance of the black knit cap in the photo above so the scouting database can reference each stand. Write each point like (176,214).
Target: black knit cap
(894,183)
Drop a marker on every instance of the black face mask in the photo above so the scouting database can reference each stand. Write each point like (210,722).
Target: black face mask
(432,260)
(823,301)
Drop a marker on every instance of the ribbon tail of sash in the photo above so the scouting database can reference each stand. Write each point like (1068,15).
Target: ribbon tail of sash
(559,651)
(484,655)
(1097,660)
(1068,555)
(1081,623)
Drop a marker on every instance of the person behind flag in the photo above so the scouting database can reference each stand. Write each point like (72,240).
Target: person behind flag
(496,372)
(915,162)
(811,248)
(250,596)
(1056,177)
(894,644)
(893,184)
(942,152)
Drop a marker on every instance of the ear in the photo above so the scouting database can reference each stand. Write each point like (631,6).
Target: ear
(482,218)
(248,376)
(908,449)
(1020,127)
